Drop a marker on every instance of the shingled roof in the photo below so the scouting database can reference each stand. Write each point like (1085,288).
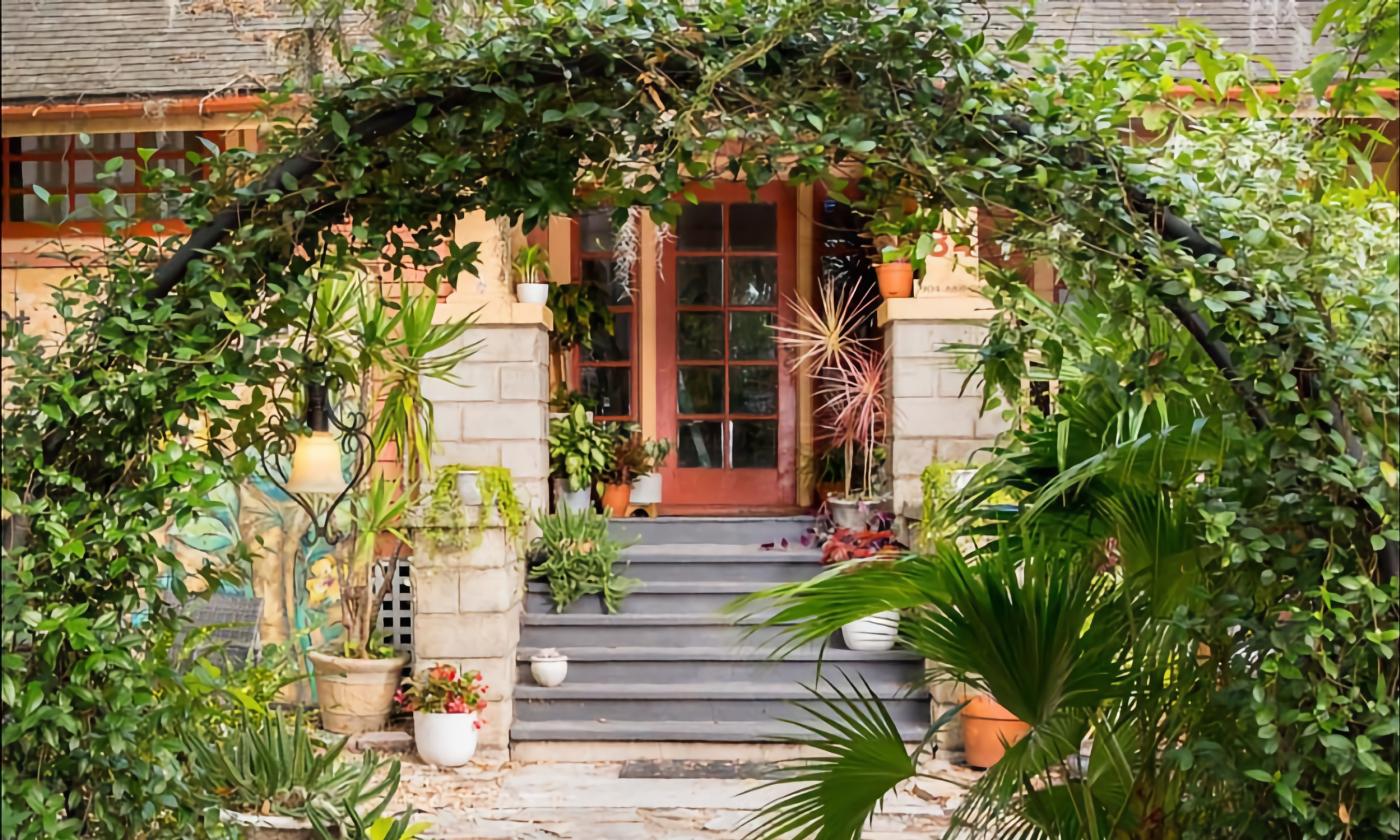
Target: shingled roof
(92,50)
(88,50)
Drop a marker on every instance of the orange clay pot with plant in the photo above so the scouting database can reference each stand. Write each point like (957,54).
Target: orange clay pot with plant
(632,457)
(988,729)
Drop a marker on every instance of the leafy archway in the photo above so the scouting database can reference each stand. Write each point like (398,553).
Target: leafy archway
(548,108)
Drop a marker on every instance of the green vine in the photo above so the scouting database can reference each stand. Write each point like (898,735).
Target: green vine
(446,518)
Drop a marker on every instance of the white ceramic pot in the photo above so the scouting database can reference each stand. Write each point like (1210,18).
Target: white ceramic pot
(549,671)
(445,740)
(646,490)
(532,292)
(874,632)
(467,487)
(959,479)
(576,501)
(848,513)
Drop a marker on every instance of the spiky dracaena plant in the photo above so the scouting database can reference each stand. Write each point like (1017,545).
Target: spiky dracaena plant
(826,334)
(853,394)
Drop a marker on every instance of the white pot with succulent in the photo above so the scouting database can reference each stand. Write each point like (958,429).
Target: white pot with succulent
(532,275)
(549,667)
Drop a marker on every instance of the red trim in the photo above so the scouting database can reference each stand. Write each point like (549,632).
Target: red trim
(176,106)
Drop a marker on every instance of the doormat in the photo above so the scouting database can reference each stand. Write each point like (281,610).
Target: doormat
(698,770)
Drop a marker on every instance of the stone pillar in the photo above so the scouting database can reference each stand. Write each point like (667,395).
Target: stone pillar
(467,603)
(935,418)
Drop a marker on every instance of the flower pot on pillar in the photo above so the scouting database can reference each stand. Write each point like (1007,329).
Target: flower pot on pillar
(896,279)
(355,695)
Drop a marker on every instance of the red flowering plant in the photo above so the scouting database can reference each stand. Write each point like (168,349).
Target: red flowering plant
(441,690)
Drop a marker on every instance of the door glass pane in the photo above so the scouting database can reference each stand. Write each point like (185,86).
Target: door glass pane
(700,281)
(755,443)
(611,348)
(750,335)
(753,227)
(700,390)
(610,386)
(599,273)
(595,230)
(700,335)
(753,281)
(701,227)
(753,390)
(700,444)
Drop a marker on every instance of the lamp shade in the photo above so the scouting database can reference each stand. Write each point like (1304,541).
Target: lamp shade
(316,465)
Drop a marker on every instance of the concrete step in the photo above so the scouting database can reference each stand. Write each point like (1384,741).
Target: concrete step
(752,531)
(719,703)
(628,665)
(720,563)
(733,732)
(670,597)
(561,630)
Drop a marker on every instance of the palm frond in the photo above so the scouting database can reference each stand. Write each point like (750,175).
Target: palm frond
(861,757)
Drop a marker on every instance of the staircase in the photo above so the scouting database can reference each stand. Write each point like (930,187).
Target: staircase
(671,666)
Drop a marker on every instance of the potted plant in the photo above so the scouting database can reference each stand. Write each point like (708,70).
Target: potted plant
(549,667)
(877,631)
(275,781)
(902,239)
(988,729)
(532,275)
(446,709)
(576,555)
(633,457)
(355,683)
(580,450)
(854,398)
(646,478)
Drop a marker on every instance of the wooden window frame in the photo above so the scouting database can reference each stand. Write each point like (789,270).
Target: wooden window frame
(630,308)
(70,156)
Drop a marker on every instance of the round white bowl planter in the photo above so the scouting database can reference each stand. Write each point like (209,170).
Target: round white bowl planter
(874,632)
(532,292)
(549,668)
(445,740)
(467,487)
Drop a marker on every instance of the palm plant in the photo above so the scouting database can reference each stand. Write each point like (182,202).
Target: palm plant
(1067,612)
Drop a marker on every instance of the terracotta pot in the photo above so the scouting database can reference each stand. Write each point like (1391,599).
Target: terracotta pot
(616,497)
(896,279)
(988,729)
(355,695)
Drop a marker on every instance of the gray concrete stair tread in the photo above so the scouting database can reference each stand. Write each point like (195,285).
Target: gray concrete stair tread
(738,732)
(696,691)
(720,553)
(642,653)
(546,619)
(668,587)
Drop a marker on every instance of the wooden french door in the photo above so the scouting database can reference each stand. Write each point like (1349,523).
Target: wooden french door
(723,394)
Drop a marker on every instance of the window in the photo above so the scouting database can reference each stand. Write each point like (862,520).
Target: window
(607,372)
(68,165)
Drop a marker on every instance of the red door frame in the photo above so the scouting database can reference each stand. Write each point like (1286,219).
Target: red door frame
(729,490)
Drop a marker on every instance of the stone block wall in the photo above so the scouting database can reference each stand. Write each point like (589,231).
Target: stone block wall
(468,603)
(934,416)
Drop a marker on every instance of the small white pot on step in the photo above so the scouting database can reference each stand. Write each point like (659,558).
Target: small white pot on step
(549,667)
(874,632)
(446,740)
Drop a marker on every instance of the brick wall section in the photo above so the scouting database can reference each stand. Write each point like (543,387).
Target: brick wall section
(934,416)
(467,604)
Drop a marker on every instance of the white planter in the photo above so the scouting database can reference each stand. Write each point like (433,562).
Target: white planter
(445,740)
(874,632)
(576,501)
(549,671)
(959,479)
(647,490)
(848,513)
(532,292)
(467,489)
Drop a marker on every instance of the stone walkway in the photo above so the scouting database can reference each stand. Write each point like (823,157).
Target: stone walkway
(574,801)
